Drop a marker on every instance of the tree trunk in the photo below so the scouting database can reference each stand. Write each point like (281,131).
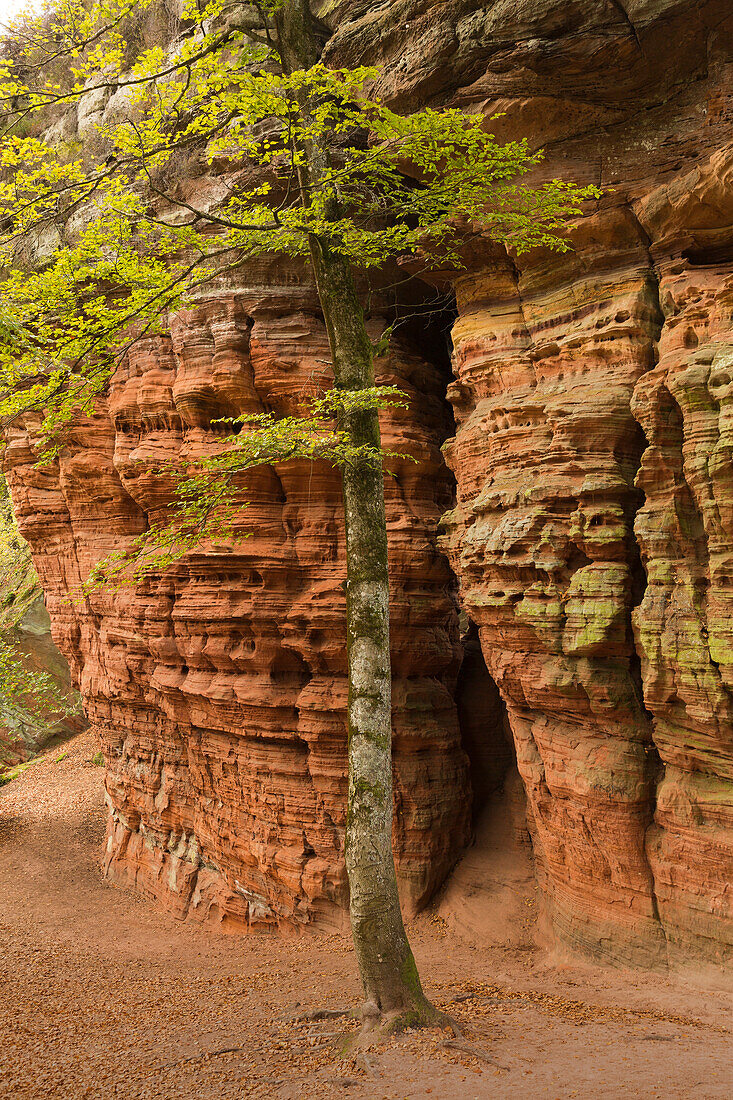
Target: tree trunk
(388,971)
(386,963)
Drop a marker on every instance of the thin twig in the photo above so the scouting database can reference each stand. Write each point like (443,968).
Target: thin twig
(324,1014)
(198,1057)
(473,1050)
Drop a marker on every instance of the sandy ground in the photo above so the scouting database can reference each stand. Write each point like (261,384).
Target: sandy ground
(105,996)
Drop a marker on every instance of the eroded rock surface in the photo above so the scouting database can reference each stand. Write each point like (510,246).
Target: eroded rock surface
(541,538)
(220,690)
(591,534)
(571,373)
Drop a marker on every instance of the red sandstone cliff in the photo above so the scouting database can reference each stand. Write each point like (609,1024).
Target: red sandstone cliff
(220,689)
(591,534)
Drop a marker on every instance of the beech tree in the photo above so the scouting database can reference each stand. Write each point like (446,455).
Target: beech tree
(30,699)
(99,248)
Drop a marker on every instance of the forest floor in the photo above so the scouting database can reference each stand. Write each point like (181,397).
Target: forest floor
(105,996)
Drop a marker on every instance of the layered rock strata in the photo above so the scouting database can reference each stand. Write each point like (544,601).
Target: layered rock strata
(568,372)
(220,688)
(542,539)
(684,626)
(590,534)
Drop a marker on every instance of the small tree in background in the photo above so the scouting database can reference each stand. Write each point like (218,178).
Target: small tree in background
(318,167)
(31,699)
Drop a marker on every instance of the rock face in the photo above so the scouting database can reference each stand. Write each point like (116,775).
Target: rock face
(591,534)
(541,538)
(220,690)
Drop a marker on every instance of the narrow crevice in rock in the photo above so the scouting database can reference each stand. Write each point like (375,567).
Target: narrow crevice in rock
(426,330)
(486,737)
(688,512)
(491,895)
(638,587)
(654,765)
(621,9)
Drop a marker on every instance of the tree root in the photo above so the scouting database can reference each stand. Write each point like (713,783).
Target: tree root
(368,1065)
(428,1016)
(376,1026)
(472,1049)
(324,1014)
(197,1057)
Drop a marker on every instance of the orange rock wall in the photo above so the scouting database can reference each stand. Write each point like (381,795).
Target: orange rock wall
(590,533)
(220,690)
(545,457)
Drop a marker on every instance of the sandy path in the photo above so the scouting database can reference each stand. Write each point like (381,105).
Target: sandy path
(104,996)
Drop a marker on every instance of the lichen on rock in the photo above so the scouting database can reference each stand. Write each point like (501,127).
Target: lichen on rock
(589,535)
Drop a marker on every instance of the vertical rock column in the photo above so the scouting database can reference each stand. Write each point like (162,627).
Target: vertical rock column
(545,455)
(684,626)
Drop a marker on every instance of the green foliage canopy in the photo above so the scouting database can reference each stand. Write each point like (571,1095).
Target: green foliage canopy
(96,256)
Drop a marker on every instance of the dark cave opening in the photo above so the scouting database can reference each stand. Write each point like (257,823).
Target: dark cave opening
(496,869)
(491,896)
(486,736)
(654,766)
(426,329)
(636,567)
(712,254)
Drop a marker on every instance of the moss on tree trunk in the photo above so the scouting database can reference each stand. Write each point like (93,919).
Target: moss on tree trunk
(388,971)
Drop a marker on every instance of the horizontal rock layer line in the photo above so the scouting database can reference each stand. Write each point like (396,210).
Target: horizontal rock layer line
(589,533)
